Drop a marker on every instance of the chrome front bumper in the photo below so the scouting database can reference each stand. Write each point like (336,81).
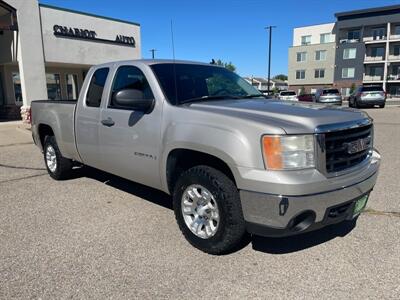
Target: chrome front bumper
(274,214)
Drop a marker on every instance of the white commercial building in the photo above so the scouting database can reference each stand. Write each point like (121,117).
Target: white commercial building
(45,51)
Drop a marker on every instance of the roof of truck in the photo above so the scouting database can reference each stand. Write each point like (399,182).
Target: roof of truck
(161,61)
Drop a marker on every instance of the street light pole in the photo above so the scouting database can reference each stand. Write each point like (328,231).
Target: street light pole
(152,52)
(269,55)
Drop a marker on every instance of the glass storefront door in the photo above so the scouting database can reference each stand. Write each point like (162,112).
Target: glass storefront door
(53,86)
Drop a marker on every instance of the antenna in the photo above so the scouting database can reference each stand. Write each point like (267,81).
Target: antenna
(174,64)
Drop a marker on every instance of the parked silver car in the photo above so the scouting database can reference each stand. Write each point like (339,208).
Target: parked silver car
(370,96)
(288,95)
(328,96)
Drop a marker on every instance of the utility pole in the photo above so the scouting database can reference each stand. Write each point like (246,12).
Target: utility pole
(152,52)
(269,55)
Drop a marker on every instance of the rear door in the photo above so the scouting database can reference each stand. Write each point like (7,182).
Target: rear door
(87,121)
(131,140)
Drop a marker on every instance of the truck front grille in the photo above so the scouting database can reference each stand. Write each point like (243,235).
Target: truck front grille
(347,148)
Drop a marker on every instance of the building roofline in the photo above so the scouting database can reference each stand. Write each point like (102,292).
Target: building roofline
(318,24)
(366,10)
(88,14)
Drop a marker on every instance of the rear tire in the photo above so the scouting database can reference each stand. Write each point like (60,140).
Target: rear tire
(221,229)
(57,166)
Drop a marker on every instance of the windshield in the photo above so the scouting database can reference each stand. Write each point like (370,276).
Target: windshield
(201,82)
(330,91)
(372,89)
(288,94)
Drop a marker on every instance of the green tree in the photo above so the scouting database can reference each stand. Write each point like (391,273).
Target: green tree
(302,90)
(229,65)
(352,88)
(282,77)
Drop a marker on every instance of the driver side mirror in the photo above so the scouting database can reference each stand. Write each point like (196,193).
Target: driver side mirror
(133,99)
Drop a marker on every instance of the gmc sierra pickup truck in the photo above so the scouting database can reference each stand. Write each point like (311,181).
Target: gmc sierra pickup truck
(234,161)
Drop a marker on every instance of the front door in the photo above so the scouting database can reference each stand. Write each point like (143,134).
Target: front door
(87,121)
(130,140)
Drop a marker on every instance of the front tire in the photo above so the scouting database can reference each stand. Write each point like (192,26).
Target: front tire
(208,210)
(57,166)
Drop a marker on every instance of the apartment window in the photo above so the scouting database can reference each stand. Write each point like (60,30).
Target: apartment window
(319,73)
(348,72)
(320,55)
(300,74)
(72,86)
(17,87)
(377,52)
(353,35)
(396,50)
(306,40)
(376,71)
(325,38)
(378,33)
(301,56)
(349,53)
(397,30)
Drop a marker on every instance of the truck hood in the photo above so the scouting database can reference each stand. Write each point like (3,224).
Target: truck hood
(292,117)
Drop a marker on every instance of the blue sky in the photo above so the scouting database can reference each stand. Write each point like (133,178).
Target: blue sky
(231,30)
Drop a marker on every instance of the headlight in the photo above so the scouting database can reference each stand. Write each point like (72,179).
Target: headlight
(288,152)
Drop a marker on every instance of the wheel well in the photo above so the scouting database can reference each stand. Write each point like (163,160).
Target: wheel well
(180,160)
(44,130)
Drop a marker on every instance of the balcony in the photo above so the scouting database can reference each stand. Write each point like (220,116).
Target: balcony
(374,39)
(374,59)
(393,77)
(347,41)
(373,78)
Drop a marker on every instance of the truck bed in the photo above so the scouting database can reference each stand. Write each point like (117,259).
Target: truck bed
(60,116)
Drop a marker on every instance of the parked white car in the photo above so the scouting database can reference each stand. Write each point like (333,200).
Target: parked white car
(288,95)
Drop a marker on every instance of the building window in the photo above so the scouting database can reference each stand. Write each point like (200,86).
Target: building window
(377,52)
(72,86)
(348,72)
(397,30)
(301,56)
(320,55)
(353,35)
(319,73)
(96,87)
(396,50)
(300,74)
(53,86)
(376,71)
(349,53)
(325,38)
(306,40)
(378,33)
(17,88)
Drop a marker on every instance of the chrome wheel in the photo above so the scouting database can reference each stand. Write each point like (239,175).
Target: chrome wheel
(200,211)
(51,158)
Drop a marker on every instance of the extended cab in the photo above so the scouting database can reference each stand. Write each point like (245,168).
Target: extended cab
(233,161)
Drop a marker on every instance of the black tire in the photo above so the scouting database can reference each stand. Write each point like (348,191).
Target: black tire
(64,165)
(350,103)
(231,229)
(382,105)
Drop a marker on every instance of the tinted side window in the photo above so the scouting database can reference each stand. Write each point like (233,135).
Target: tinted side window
(131,78)
(96,87)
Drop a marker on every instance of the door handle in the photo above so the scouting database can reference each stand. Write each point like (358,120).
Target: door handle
(108,122)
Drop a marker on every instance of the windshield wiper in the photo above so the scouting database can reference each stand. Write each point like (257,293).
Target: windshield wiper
(206,98)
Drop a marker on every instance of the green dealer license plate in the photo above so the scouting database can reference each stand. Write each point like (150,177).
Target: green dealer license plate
(360,205)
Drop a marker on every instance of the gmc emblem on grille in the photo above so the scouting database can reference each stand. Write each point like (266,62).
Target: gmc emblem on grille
(358,145)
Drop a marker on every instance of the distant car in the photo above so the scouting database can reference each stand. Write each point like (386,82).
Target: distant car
(288,95)
(306,98)
(329,96)
(368,96)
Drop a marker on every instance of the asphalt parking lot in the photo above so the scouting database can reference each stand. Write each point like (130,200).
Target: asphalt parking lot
(98,236)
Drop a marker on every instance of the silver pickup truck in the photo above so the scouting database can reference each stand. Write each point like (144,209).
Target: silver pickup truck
(233,161)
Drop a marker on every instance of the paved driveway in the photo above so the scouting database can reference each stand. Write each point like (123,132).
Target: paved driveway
(98,236)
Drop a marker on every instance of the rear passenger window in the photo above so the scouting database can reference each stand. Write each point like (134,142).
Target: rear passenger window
(96,87)
(131,78)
